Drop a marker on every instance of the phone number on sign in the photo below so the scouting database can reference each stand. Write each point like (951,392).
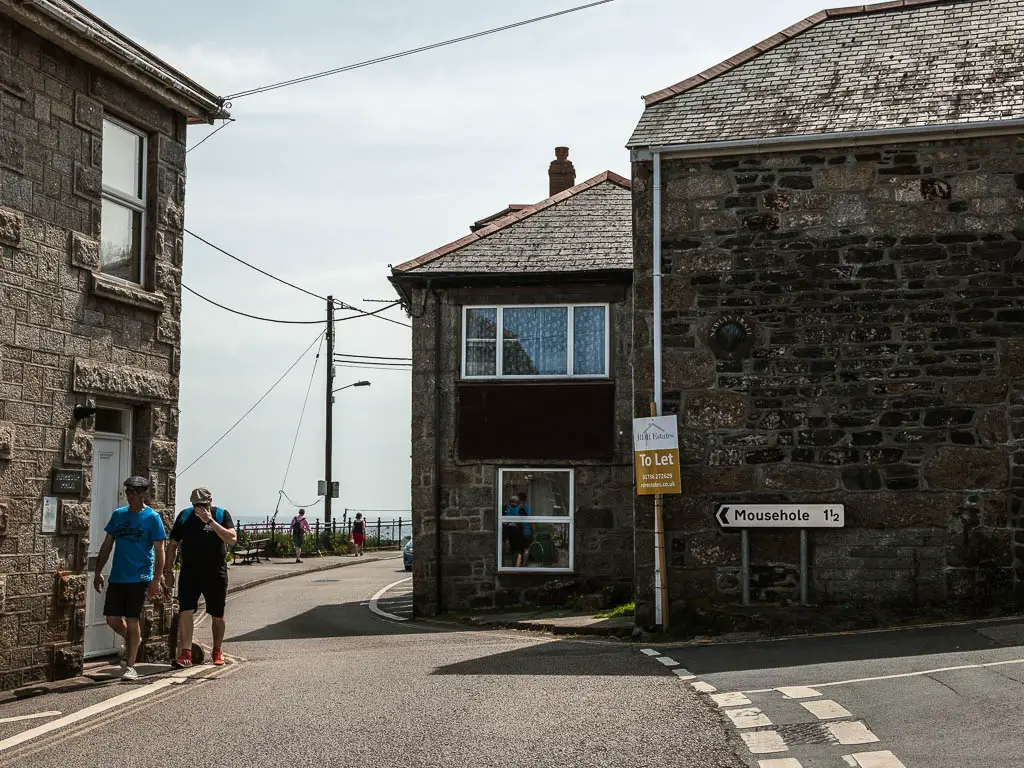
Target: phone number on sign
(645,478)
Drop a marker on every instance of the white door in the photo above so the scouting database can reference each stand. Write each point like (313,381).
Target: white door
(109,471)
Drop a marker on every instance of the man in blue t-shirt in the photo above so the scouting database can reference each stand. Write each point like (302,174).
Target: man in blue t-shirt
(136,534)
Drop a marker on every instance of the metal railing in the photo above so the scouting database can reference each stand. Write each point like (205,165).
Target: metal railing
(380,533)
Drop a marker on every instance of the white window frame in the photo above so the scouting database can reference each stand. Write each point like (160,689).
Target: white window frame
(570,351)
(569,520)
(116,195)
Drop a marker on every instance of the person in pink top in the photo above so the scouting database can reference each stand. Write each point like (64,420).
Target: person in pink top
(300,527)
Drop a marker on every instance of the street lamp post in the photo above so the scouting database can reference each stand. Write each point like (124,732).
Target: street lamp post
(329,445)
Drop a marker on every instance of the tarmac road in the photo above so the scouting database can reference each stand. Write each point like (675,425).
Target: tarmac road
(326,682)
(938,697)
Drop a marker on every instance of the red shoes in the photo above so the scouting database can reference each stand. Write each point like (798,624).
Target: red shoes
(218,657)
(185,660)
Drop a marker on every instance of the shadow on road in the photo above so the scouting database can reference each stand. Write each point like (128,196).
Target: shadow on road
(339,620)
(562,657)
(799,652)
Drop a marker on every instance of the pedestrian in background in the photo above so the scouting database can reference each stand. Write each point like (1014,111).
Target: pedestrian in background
(136,535)
(358,534)
(300,527)
(204,533)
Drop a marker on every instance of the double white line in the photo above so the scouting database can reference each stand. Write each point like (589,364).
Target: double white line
(137,692)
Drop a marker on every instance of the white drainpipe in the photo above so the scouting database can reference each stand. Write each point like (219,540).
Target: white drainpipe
(659,533)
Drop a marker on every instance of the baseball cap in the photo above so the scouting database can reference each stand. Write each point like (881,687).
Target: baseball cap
(135,481)
(201,496)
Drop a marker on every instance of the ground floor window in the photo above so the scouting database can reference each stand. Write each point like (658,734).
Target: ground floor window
(535,514)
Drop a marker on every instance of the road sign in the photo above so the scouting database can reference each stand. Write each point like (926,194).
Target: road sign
(656,455)
(740,515)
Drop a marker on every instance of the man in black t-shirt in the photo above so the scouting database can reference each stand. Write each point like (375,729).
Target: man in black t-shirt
(204,533)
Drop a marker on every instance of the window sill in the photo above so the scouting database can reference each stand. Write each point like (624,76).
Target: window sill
(114,289)
(527,571)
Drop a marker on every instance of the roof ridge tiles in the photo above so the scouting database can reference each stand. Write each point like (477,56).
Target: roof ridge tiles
(513,218)
(779,38)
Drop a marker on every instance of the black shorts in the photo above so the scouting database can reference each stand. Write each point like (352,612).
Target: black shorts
(212,586)
(125,600)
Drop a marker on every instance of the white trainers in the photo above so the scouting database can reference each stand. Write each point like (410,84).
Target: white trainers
(130,674)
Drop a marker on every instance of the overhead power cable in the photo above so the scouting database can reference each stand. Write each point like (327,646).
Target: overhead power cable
(372,357)
(254,406)
(381,363)
(410,52)
(301,506)
(341,304)
(253,266)
(254,317)
(298,428)
(210,135)
(374,313)
(372,367)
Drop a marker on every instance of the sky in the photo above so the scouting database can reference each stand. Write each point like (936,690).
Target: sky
(328,183)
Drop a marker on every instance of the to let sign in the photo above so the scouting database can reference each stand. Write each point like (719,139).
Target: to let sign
(656,455)
(781,515)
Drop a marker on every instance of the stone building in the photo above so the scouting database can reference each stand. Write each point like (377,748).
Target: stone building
(536,423)
(92,170)
(841,215)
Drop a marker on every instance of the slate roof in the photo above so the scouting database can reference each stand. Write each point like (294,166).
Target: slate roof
(586,228)
(907,63)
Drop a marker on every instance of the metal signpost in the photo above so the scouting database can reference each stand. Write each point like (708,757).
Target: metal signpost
(802,516)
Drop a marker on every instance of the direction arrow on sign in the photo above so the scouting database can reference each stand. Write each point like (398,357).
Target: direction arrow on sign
(740,515)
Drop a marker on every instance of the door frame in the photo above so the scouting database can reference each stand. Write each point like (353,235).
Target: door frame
(126,441)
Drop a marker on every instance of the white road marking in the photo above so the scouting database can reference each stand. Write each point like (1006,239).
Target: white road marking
(797,692)
(826,709)
(650,652)
(684,674)
(96,709)
(851,732)
(380,611)
(764,742)
(901,675)
(730,699)
(850,761)
(668,662)
(748,717)
(777,762)
(702,687)
(36,716)
(876,760)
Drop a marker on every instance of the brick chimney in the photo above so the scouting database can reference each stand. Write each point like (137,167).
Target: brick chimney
(561,174)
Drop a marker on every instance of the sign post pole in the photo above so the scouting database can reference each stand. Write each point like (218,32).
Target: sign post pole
(802,516)
(745,564)
(656,461)
(803,566)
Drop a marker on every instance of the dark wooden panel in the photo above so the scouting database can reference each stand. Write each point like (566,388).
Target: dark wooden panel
(558,420)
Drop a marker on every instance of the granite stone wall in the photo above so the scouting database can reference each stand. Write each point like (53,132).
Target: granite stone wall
(874,299)
(468,567)
(69,335)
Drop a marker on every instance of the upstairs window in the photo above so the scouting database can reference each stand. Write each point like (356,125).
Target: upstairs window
(537,341)
(122,248)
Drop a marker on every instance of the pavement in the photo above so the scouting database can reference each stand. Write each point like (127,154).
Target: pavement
(556,621)
(317,678)
(240,577)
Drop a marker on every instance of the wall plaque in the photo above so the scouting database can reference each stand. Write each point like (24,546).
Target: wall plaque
(68,481)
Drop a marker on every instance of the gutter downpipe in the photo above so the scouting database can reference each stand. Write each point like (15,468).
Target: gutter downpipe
(660,593)
(436,471)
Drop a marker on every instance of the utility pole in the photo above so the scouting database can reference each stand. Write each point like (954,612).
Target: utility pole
(328,490)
